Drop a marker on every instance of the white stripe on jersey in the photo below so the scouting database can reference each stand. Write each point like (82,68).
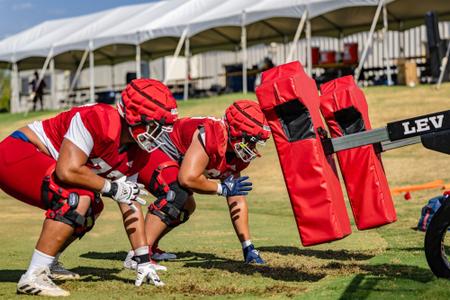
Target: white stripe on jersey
(79,135)
(38,129)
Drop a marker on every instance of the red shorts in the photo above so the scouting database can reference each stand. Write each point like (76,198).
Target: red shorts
(22,170)
(147,175)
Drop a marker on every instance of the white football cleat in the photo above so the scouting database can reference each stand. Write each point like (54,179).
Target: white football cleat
(58,272)
(39,283)
(160,255)
(131,264)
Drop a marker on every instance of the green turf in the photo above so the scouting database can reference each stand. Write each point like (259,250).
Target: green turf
(384,263)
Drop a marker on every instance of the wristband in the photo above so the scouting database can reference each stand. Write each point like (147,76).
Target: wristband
(219,189)
(109,188)
(141,255)
(106,187)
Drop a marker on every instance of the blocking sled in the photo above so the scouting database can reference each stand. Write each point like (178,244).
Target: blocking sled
(344,108)
(290,102)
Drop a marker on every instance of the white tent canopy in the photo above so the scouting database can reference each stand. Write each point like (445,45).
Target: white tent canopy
(211,24)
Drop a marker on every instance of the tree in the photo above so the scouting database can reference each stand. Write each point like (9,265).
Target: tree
(5,90)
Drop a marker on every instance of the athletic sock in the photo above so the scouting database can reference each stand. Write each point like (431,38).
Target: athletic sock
(246,243)
(39,260)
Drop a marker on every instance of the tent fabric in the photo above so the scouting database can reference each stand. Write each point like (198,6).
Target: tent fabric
(211,25)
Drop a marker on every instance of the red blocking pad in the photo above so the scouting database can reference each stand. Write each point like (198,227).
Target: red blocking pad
(290,101)
(345,110)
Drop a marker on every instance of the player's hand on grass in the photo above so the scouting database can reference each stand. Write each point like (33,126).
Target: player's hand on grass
(125,192)
(147,272)
(231,186)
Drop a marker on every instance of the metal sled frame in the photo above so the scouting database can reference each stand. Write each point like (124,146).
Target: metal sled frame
(432,130)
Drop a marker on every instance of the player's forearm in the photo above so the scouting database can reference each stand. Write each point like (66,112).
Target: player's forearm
(81,177)
(198,184)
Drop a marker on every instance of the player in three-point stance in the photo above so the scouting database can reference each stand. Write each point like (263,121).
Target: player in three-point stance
(63,164)
(196,151)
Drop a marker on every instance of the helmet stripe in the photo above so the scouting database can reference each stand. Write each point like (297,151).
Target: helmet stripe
(148,96)
(247,115)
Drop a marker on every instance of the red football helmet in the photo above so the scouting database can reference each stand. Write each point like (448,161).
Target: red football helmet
(247,128)
(149,109)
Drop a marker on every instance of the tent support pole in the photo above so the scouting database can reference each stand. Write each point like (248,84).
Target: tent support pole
(369,40)
(45,66)
(15,89)
(138,61)
(443,67)
(91,73)
(298,33)
(387,56)
(285,53)
(244,54)
(308,48)
(77,73)
(187,55)
(175,55)
(113,77)
(54,102)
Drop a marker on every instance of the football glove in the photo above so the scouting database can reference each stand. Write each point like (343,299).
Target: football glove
(125,192)
(235,186)
(147,272)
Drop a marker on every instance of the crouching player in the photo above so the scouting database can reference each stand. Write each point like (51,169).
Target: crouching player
(197,150)
(68,160)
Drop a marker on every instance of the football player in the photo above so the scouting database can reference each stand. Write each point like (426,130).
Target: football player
(195,152)
(69,160)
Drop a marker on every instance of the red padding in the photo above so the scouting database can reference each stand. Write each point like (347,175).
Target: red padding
(362,169)
(310,177)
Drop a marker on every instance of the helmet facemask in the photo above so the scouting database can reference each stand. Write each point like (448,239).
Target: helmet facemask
(148,136)
(246,147)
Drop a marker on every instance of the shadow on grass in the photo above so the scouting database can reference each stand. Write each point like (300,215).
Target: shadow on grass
(88,274)
(211,261)
(195,256)
(95,274)
(378,278)
(11,275)
(323,254)
(120,255)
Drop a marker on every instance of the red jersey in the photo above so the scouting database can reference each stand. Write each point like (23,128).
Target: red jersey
(214,137)
(95,129)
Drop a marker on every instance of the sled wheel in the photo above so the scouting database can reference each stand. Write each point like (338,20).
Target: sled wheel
(436,249)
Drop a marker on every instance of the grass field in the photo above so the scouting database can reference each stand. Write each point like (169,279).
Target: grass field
(384,263)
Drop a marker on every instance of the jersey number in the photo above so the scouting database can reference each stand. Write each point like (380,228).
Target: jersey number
(101,167)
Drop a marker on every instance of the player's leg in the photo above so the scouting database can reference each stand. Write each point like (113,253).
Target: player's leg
(57,269)
(160,178)
(238,208)
(21,159)
(41,101)
(160,255)
(190,207)
(34,102)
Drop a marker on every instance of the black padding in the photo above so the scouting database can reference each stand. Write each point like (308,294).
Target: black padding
(437,141)
(172,212)
(180,195)
(295,120)
(350,120)
(71,218)
(141,259)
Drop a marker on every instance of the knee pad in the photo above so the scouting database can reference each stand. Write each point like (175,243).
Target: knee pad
(92,214)
(170,207)
(62,204)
